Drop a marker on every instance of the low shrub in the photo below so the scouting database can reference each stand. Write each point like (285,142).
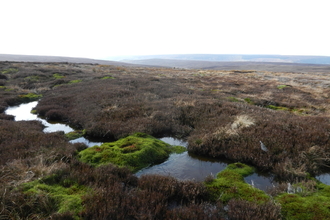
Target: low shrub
(248,210)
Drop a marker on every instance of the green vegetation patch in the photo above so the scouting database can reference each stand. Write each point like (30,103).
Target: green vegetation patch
(33,111)
(299,111)
(9,70)
(66,196)
(75,134)
(58,76)
(135,152)
(33,78)
(282,86)
(2,87)
(230,184)
(277,107)
(178,149)
(75,81)
(306,205)
(29,97)
(108,77)
(248,100)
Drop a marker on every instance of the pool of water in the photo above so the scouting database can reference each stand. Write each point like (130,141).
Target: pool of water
(324,178)
(23,113)
(187,166)
(184,167)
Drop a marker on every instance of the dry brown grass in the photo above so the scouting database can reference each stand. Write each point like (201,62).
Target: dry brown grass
(21,171)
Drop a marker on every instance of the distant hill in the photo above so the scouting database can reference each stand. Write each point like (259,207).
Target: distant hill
(276,63)
(34,58)
(241,65)
(233,57)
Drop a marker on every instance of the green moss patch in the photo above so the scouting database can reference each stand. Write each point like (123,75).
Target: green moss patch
(306,205)
(230,184)
(33,111)
(178,149)
(248,100)
(66,197)
(282,86)
(135,152)
(58,76)
(299,111)
(278,107)
(75,134)
(75,81)
(108,77)
(29,97)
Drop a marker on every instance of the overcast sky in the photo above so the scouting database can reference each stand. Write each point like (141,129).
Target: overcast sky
(103,28)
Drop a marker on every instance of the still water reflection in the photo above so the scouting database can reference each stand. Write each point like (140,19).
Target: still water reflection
(183,166)
(23,113)
(187,166)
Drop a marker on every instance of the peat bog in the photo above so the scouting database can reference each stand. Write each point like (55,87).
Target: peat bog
(221,114)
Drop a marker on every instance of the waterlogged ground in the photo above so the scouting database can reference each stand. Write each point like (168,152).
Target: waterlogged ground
(184,166)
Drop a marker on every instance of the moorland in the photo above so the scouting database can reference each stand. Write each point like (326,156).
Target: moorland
(220,113)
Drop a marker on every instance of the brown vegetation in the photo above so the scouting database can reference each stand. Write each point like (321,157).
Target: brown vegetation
(222,114)
(203,107)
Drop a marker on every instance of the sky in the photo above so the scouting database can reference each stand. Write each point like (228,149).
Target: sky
(104,28)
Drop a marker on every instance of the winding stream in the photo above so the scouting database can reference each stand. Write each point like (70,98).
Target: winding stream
(182,166)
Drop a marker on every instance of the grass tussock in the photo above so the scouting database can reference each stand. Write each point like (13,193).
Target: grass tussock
(136,152)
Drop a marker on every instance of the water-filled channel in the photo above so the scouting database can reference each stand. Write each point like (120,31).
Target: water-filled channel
(23,112)
(182,166)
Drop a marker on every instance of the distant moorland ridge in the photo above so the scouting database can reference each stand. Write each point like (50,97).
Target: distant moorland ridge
(35,58)
(234,58)
(238,65)
(275,63)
